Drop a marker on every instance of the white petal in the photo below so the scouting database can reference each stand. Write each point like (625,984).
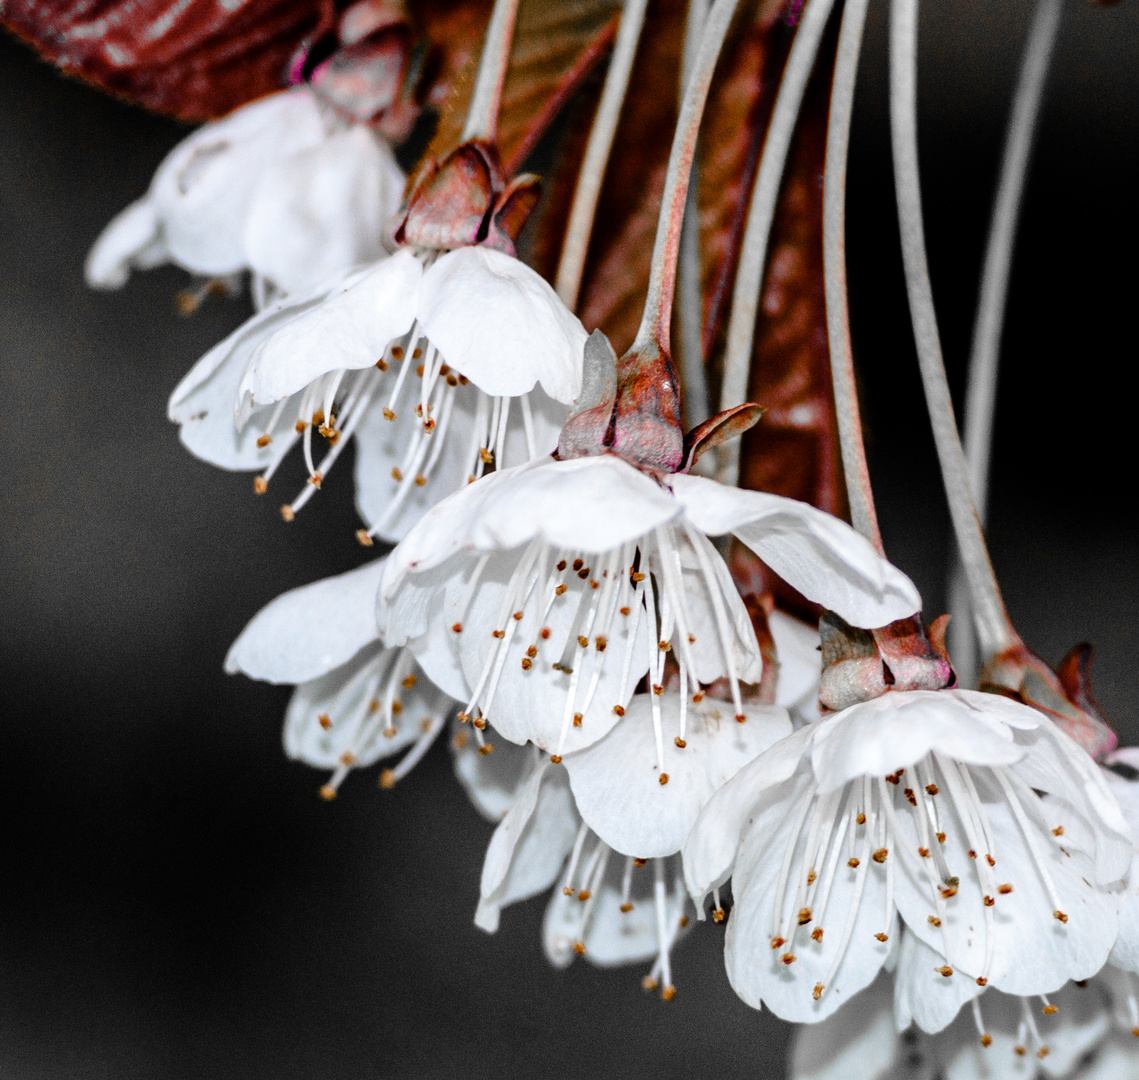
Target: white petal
(349,330)
(133,238)
(616,781)
(873,738)
(822,557)
(799,660)
(202,403)
(706,649)
(611,936)
(501,325)
(202,191)
(712,844)
(1033,952)
(529,846)
(758,972)
(1125,951)
(322,209)
(859,1042)
(412,618)
(343,696)
(921,994)
(530,705)
(382,445)
(309,631)
(1056,764)
(491,781)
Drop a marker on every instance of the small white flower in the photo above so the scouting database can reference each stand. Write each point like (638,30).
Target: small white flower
(281,187)
(922,804)
(356,701)
(557,585)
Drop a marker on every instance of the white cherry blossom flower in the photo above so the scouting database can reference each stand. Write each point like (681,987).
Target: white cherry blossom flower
(923,805)
(356,701)
(554,587)
(423,364)
(610,909)
(283,187)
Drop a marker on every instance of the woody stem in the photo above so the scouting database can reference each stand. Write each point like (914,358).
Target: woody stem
(984,357)
(482,115)
(761,211)
(597,150)
(656,320)
(859,492)
(994,629)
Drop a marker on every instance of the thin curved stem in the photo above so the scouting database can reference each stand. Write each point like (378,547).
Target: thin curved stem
(597,150)
(984,357)
(656,321)
(482,115)
(689,291)
(993,627)
(761,212)
(858,489)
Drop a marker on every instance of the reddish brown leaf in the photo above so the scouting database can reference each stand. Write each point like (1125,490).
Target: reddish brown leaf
(617,269)
(554,48)
(195,59)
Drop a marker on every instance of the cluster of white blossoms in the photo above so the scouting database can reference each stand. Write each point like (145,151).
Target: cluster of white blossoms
(932,880)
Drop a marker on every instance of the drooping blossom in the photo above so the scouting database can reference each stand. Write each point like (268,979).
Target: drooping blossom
(293,187)
(356,701)
(923,805)
(557,585)
(441,362)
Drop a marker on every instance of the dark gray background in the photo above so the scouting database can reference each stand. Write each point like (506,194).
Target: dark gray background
(175,900)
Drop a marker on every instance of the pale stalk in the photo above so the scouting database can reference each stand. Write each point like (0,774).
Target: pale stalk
(858,489)
(748,285)
(984,357)
(482,115)
(656,321)
(993,627)
(597,150)
(689,291)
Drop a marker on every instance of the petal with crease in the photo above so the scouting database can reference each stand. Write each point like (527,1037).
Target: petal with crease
(308,631)
(822,557)
(616,781)
(501,325)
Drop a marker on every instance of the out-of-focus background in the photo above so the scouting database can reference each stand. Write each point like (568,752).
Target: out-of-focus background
(175,900)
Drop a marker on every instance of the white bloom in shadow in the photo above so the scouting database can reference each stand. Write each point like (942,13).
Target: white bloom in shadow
(281,187)
(356,702)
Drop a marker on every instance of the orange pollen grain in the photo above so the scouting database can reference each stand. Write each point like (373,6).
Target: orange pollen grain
(264,440)
(387,779)
(527,663)
(1004,890)
(324,720)
(1058,831)
(457,627)
(668,993)
(787,958)
(545,634)
(663,779)
(556,758)
(804,916)
(396,474)
(260,485)
(679,742)
(1059,916)
(777,941)
(579,948)
(818,991)
(852,863)
(619,710)
(923,852)
(287,513)
(328,793)
(584,895)
(982,981)
(880,855)
(944,971)
(817,934)
(388,414)
(986,1039)
(909,794)
(363,539)
(300,427)
(640,862)
(577,718)
(397,351)
(719,915)
(1049,1010)
(488,749)
(934,921)
(626,908)
(861,819)
(882,937)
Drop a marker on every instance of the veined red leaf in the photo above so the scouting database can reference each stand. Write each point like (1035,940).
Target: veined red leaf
(195,59)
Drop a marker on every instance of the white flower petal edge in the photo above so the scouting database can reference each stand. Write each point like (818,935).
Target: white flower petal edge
(133,238)
(202,403)
(323,208)
(529,846)
(616,781)
(923,997)
(822,557)
(203,190)
(491,781)
(590,504)
(348,330)
(858,1042)
(800,664)
(501,324)
(310,630)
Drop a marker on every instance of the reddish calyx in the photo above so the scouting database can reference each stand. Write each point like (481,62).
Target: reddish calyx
(1064,694)
(631,407)
(859,665)
(465,200)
